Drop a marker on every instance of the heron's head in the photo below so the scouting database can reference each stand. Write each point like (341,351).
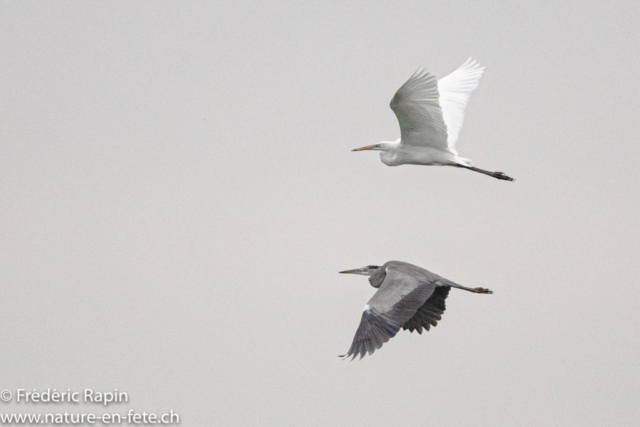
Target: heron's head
(367,270)
(380,146)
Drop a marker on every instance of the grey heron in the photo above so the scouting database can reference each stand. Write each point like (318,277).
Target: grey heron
(408,297)
(430,113)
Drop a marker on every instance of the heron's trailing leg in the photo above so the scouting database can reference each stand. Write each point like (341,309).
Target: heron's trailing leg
(498,175)
(482,291)
(474,290)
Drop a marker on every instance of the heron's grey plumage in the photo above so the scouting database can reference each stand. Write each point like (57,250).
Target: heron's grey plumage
(430,312)
(408,297)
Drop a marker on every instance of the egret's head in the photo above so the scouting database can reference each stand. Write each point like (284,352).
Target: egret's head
(380,146)
(367,270)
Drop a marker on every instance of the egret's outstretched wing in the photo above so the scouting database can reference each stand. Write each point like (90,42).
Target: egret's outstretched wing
(417,107)
(401,294)
(455,90)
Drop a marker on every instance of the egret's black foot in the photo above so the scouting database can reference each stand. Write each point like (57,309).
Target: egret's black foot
(501,175)
(482,291)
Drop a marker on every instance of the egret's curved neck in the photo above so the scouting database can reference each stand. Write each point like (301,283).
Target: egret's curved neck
(389,152)
(388,145)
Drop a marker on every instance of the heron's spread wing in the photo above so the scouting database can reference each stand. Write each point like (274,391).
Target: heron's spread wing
(430,312)
(396,301)
(455,90)
(417,107)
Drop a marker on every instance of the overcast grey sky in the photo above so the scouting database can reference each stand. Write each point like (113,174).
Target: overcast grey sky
(178,196)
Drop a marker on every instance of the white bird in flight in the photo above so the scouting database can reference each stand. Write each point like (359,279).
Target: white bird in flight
(430,113)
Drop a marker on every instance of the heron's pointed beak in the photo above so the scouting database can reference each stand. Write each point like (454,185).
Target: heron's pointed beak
(356,271)
(363,271)
(368,147)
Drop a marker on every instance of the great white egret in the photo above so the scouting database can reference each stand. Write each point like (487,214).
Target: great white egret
(431,113)
(408,297)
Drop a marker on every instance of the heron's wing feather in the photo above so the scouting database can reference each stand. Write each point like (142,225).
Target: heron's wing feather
(430,312)
(417,106)
(396,301)
(455,90)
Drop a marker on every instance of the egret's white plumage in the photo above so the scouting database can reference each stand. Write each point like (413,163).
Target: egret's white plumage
(431,113)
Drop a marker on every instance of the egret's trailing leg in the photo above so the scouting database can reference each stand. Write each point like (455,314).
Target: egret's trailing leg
(498,175)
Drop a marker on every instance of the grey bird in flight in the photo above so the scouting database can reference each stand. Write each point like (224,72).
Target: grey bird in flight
(408,297)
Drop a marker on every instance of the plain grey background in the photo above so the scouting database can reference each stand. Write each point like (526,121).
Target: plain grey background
(178,196)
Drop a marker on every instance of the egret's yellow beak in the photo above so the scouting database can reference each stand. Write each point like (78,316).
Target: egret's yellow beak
(356,271)
(368,147)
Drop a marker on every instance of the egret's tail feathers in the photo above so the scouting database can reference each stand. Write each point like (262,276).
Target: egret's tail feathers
(467,163)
